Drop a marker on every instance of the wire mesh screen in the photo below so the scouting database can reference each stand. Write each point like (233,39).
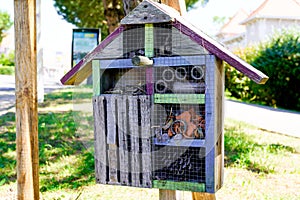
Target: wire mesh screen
(179,164)
(154,117)
(180,79)
(179,111)
(178,121)
(129,81)
(163,39)
(134,41)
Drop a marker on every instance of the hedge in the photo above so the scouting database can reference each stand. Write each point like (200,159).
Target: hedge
(279,58)
(7,70)
(7,63)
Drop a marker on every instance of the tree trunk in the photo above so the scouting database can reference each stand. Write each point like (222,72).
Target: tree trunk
(113,14)
(26,99)
(129,5)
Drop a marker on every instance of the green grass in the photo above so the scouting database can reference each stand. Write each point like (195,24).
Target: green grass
(250,148)
(243,151)
(252,157)
(66,96)
(59,139)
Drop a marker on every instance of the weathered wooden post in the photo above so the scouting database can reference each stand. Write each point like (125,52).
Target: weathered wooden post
(26,99)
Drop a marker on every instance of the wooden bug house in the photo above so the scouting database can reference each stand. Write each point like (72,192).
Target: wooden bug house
(158,100)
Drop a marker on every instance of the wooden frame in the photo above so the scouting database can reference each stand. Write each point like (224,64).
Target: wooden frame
(214,100)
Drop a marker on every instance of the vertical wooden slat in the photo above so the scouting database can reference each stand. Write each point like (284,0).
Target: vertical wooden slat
(149,42)
(96,77)
(26,100)
(134,138)
(100,139)
(111,117)
(113,164)
(149,81)
(146,142)
(220,83)
(123,139)
(210,117)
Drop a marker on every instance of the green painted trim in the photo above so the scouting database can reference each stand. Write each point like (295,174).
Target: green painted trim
(149,42)
(172,185)
(180,98)
(96,77)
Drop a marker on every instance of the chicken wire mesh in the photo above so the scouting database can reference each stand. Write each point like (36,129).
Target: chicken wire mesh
(156,114)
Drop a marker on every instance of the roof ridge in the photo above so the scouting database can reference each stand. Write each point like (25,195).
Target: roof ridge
(233,17)
(259,8)
(297,1)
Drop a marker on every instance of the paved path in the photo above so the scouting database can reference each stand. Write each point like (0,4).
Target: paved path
(7,91)
(279,121)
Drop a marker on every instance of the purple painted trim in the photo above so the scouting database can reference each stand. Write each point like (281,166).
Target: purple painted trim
(220,51)
(89,57)
(149,81)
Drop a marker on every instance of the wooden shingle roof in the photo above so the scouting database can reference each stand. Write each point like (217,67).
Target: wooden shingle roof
(152,12)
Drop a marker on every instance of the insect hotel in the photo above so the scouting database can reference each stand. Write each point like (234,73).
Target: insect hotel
(158,87)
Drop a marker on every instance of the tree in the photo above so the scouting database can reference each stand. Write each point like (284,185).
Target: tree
(105,14)
(5,24)
(219,20)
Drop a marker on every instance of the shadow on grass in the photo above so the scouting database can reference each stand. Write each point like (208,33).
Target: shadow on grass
(57,139)
(240,149)
(83,174)
(64,97)
(7,148)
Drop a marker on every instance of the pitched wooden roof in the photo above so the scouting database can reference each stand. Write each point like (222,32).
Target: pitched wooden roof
(83,69)
(276,9)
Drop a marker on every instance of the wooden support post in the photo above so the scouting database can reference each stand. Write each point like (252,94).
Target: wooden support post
(178,5)
(167,194)
(203,196)
(26,99)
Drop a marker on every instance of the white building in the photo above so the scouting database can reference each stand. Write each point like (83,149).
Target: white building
(271,16)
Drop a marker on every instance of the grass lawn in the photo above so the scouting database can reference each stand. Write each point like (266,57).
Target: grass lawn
(258,164)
